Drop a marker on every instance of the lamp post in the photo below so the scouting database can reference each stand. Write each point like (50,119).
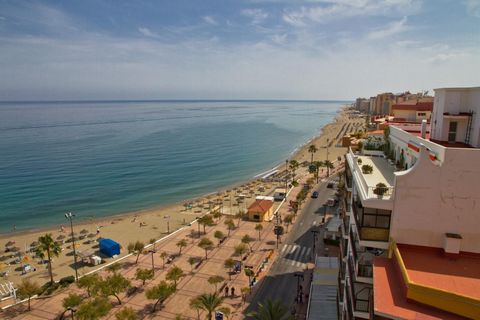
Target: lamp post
(298,276)
(70,216)
(328,167)
(152,251)
(168,222)
(314,232)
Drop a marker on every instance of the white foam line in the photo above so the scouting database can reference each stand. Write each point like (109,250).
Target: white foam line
(266,172)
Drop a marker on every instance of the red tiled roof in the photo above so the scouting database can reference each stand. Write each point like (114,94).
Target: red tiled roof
(260,206)
(390,298)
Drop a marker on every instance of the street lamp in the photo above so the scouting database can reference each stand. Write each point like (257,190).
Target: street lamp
(168,222)
(314,232)
(299,293)
(70,216)
(152,251)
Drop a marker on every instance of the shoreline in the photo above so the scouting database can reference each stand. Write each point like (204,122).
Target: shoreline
(161,207)
(155,223)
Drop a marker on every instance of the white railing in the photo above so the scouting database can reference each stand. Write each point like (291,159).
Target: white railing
(368,191)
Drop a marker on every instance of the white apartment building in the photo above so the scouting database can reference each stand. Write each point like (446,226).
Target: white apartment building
(429,192)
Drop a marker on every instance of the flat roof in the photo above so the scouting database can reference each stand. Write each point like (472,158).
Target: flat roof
(390,298)
(430,267)
(323,293)
(383,171)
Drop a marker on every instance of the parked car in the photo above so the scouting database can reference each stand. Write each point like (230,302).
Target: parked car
(315,194)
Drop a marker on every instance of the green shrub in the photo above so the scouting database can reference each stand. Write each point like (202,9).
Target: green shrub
(367,169)
(48,288)
(65,281)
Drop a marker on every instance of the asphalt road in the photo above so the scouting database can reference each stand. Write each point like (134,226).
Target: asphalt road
(295,251)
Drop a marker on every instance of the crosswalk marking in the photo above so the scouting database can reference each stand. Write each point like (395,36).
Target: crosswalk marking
(295,255)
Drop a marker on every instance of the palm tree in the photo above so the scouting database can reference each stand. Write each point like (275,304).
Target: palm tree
(259,228)
(163,255)
(329,166)
(46,244)
(318,164)
(312,149)
(206,220)
(271,311)
(293,166)
(207,245)
(181,244)
(137,248)
(210,303)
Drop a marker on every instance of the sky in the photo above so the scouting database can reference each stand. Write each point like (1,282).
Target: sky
(232,49)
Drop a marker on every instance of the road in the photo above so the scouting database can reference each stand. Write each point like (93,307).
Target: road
(295,251)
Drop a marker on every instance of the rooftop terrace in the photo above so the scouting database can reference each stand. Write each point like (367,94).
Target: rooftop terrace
(383,172)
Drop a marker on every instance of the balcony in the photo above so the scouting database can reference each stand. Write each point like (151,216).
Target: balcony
(362,298)
(366,184)
(372,225)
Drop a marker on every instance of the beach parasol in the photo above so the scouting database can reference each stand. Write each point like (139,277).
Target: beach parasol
(3,258)
(61,237)
(14,249)
(34,244)
(9,243)
(84,231)
(91,235)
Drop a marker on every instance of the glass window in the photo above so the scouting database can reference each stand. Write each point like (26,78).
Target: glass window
(368,220)
(383,222)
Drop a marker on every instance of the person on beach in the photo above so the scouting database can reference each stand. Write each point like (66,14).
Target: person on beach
(232,291)
(226,291)
(98,229)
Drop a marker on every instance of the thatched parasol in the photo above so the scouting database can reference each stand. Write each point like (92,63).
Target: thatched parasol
(9,243)
(61,237)
(92,235)
(84,231)
(14,249)
(34,244)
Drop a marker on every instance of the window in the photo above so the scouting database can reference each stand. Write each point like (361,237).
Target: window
(421,114)
(452,131)
(376,218)
(256,217)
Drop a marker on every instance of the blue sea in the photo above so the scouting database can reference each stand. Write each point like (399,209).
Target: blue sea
(103,158)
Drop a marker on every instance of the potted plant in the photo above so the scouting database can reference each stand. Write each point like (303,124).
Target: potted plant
(359,161)
(380,189)
(367,169)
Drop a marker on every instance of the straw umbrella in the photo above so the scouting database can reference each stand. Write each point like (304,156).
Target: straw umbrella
(84,231)
(34,244)
(14,249)
(9,244)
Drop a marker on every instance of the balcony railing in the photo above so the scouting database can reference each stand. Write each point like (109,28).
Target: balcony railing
(362,300)
(368,233)
(365,270)
(374,234)
(370,191)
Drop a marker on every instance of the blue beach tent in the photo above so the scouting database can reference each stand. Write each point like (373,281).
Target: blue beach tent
(109,247)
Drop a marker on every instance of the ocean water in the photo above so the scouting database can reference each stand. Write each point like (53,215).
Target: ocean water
(101,158)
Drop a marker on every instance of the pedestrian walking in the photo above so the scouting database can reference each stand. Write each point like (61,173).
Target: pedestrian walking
(226,291)
(232,291)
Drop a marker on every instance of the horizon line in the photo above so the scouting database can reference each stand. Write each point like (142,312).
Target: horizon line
(174,100)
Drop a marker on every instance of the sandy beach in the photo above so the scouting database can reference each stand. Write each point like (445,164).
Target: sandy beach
(152,224)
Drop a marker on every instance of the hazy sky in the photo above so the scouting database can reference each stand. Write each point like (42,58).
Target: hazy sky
(225,49)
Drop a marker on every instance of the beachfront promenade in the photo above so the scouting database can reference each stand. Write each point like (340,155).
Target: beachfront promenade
(193,284)
(196,280)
